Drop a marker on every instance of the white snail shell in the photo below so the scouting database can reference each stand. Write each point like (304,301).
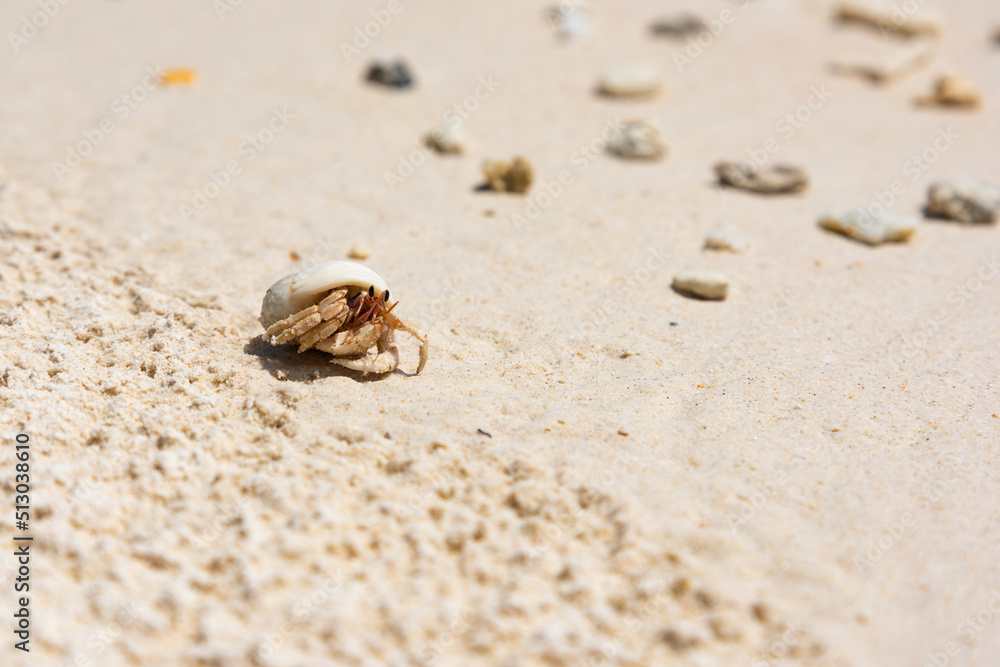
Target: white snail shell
(298,290)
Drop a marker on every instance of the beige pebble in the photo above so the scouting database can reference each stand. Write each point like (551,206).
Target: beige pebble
(890,17)
(638,140)
(890,67)
(964,201)
(953,90)
(726,236)
(514,176)
(766,179)
(870,226)
(634,81)
(359,251)
(709,285)
(448,139)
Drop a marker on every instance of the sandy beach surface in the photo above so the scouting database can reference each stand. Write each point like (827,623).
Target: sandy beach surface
(592,469)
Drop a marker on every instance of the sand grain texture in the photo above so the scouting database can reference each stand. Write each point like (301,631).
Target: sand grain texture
(202,498)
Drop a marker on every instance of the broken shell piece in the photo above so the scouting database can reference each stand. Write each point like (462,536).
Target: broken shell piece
(708,285)
(726,236)
(570,22)
(952,90)
(638,140)
(964,201)
(390,72)
(889,68)
(514,176)
(448,139)
(634,81)
(889,18)
(766,179)
(678,26)
(359,251)
(870,226)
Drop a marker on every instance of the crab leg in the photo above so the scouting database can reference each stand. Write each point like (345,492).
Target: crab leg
(416,332)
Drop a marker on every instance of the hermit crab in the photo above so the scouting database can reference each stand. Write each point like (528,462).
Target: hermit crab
(342,308)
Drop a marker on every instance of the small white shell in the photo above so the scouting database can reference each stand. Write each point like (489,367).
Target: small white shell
(299,290)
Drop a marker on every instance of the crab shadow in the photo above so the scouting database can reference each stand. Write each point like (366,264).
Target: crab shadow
(284,363)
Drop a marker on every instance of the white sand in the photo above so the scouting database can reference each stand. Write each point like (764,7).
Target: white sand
(202,499)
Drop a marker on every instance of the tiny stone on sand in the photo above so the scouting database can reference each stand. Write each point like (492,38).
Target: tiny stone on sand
(952,90)
(514,176)
(629,81)
(767,179)
(873,227)
(638,140)
(887,17)
(448,139)
(678,26)
(391,72)
(359,251)
(965,201)
(726,236)
(706,285)
(178,76)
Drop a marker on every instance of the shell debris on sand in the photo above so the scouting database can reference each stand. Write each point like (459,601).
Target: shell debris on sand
(570,22)
(952,90)
(678,26)
(766,179)
(514,176)
(638,140)
(706,285)
(873,227)
(391,72)
(889,68)
(964,200)
(726,236)
(887,17)
(448,139)
(629,81)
